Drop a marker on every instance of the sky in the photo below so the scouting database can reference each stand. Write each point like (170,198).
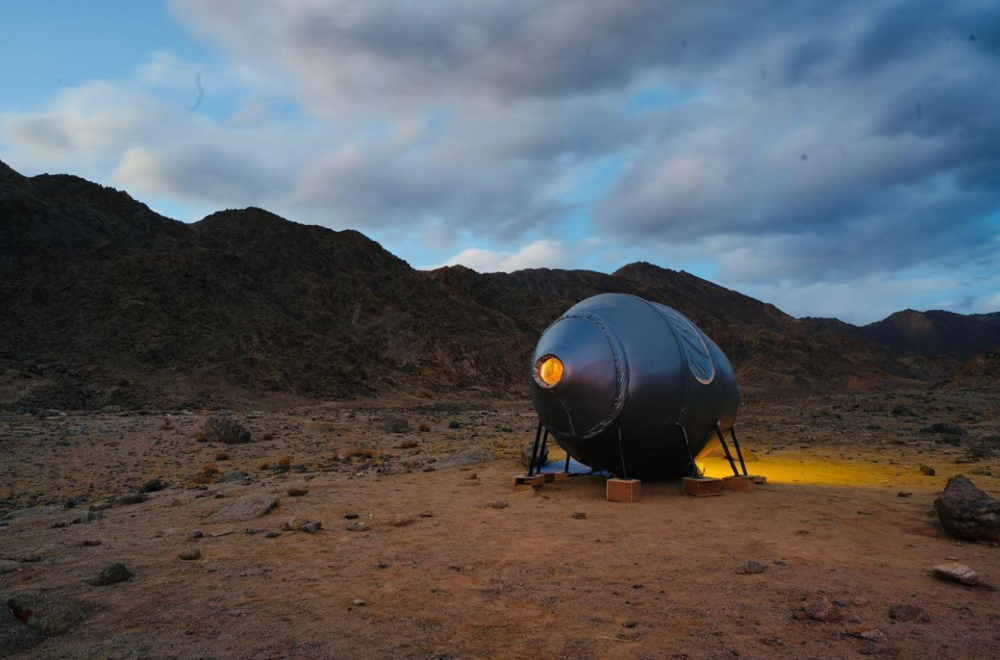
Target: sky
(833,158)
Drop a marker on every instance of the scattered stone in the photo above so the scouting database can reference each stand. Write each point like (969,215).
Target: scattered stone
(579,515)
(454,424)
(100,506)
(222,428)
(955,572)
(360,603)
(396,424)
(631,624)
(526,456)
(351,516)
(131,498)
(820,609)
(426,514)
(402,521)
(248,507)
(471,456)
(497,504)
(904,493)
(15,636)
(311,528)
(295,491)
(927,470)
(8,566)
(195,534)
(905,612)
(112,574)
(751,568)
(152,486)
(944,428)
(272,535)
(294,524)
(357,526)
(967,512)
(232,475)
(49,612)
(190,555)
(90,543)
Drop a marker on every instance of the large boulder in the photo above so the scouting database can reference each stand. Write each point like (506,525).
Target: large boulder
(967,512)
(15,635)
(224,429)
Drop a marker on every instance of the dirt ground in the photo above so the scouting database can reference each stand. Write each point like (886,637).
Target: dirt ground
(455,563)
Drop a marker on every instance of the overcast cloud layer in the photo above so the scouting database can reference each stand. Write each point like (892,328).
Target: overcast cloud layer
(833,158)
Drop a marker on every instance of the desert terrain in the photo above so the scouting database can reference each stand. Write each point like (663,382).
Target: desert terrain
(453,562)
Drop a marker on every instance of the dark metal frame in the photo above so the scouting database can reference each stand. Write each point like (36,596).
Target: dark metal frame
(542,441)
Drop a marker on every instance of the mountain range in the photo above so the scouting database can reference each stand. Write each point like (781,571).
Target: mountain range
(106,302)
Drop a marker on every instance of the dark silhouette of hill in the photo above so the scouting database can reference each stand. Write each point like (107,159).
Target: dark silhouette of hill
(107,302)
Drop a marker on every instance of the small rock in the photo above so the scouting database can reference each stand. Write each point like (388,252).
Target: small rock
(526,456)
(945,428)
(90,543)
(631,624)
(822,609)
(955,572)
(579,515)
(232,475)
(751,568)
(904,493)
(360,603)
(311,528)
(152,486)
(295,491)
(8,566)
(195,534)
(190,555)
(396,424)
(497,504)
(132,498)
(927,470)
(454,424)
(272,535)
(350,516)
(471,456)
(294,524)
(357,526)
(222,428)
(100,506)
(905,612)
(15,636)
(112,574)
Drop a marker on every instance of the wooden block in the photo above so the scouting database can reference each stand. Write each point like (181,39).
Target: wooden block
(759,479)
(534,481)
(549,477)
(739,483)
(624,490)
(562,476)
(702,486)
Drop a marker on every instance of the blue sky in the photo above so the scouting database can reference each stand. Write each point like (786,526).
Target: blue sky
(840,159)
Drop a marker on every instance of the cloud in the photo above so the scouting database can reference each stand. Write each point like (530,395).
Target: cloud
(785,143)
(539,254)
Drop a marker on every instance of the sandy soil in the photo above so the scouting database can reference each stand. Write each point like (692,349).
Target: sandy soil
(445,570)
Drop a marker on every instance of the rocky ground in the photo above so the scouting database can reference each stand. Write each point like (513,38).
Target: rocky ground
(415,559)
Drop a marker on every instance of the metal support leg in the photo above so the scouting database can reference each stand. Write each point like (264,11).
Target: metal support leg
(725,448)
(566,467)
(541,452)
(739,452)
(621,448)
(534,447)
(687,445)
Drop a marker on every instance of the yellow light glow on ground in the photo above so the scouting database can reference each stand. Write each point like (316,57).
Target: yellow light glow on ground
(550,370)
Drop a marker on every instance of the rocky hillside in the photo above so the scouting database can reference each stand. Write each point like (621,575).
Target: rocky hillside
(934,333)
(106,302)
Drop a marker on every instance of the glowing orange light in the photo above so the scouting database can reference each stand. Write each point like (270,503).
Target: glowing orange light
(550,370)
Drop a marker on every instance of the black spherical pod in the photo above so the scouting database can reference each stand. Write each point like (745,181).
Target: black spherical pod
(619,381)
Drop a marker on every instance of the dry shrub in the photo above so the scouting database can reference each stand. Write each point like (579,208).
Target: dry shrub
(409,444)
(284,464)
(362,453)
(264,465)
(222,456)
(423,428)
(201,479)
(267,436)
(209,469)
